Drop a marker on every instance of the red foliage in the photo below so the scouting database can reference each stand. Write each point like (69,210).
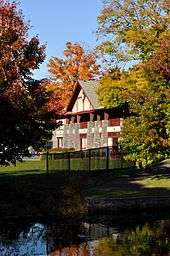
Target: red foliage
(158,66)
(25,116)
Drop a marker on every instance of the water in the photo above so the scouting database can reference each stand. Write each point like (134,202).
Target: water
(141,234)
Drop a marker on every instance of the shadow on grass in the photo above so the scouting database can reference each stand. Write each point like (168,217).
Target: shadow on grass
(24,172)
(159,171)
(63,193)
(126,183)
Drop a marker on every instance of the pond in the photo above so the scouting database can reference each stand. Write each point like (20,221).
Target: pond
(146,233)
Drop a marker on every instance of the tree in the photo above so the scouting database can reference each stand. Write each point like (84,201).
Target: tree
(145,139)
(139,30)
(146,89)
(132,29)
(25,118)
(158,66)
(76,65)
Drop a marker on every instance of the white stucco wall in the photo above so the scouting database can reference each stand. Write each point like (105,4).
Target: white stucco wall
(58,133)
(82,103)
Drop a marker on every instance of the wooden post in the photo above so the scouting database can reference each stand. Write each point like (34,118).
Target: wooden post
(91,116)
(78,119)
(89,159)
(106,116)
(121,160)
(73,119)
(107,158)
(69,163)
(47,163)
(98,117)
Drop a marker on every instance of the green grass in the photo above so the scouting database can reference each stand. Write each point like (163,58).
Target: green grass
(83,164)
(36,190)
(34,166)
(31,166)
(155,182)
(128,183)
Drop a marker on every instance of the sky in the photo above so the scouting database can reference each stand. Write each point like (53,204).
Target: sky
(59,21)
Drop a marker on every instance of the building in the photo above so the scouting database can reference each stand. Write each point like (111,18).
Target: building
(86,124)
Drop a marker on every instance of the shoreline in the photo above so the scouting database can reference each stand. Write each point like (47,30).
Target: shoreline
(107,206)
(117,205)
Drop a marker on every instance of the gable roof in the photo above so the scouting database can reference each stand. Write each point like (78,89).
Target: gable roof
(90,90)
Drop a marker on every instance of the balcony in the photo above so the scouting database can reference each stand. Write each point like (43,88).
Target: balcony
(83,125)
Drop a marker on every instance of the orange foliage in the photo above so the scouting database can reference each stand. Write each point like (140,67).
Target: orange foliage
(73,250)
(76,65)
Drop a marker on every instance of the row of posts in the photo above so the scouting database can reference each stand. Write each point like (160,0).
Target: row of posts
(69,160)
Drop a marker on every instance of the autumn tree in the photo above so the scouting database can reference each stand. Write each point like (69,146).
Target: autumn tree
(25,119)
(146,86)
(65,72)
(131,30)
(146,89)
(146,133)
(158,66)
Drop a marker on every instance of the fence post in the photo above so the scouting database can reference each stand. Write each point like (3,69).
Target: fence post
(89,159)
(69,164)
(47,163)
(107,158)
(121,160)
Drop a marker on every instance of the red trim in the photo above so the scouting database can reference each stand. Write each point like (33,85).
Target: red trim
(80,113)
(83,125)
(114,122)
(113,134)
(83,136)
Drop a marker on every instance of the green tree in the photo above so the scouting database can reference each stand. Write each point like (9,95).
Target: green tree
(145,134)
(132,29)
(140,29)
(25,119)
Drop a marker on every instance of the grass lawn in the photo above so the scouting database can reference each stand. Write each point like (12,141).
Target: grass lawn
(27,187)
(127,183)
(31,166)
(39,165)
(83,164)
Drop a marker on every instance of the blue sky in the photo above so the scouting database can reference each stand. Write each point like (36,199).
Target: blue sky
(59,21)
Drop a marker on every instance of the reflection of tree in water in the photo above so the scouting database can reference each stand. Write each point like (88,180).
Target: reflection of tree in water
(30,239)
(20,238)
(73,250)
(72,239)
(150,239)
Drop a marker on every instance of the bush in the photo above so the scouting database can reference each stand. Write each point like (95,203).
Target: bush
(60,150)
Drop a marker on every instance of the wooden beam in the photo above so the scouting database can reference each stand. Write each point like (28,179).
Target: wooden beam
(67,121)
(106,116)
(98,117)
(91,116)
(78,118)
(73,119)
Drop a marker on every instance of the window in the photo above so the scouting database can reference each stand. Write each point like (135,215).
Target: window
(59,142)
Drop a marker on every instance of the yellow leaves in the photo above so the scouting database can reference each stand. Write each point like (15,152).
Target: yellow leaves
(132,35)
(134,25)
(128,87)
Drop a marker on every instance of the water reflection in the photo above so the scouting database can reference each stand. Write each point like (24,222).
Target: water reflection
(109,236)
(150,239)
(28,241)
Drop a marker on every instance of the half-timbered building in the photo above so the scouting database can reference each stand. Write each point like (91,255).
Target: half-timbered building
(86,124)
